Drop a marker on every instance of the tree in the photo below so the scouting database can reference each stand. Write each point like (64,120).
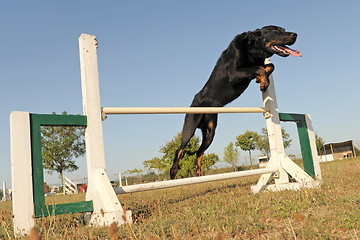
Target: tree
(157,164)
(231,155)
(263,143)
(319,144)
(61,145)
(247,142)
(188,159)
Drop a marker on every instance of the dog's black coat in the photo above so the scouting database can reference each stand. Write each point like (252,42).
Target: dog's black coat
(241,62)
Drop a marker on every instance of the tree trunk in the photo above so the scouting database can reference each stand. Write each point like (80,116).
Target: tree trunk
(62,182)
(233,165)
(250,159)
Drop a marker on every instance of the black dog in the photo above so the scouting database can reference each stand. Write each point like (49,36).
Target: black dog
(241,62)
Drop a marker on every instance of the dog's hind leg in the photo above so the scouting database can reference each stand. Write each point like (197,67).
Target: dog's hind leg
(208,132)
(191,122)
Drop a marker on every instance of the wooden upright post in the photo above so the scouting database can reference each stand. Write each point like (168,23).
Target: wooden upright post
(21,173)
(275,138)
(107,208)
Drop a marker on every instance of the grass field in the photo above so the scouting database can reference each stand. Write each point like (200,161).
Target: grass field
(224,210)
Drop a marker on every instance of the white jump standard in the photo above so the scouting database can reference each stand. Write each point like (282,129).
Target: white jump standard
(101,198)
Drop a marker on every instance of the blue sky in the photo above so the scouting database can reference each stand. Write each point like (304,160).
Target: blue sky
(160,53)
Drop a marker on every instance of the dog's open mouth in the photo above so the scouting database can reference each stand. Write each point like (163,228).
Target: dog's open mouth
(286,50)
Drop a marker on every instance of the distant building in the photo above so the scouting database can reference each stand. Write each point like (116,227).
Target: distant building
(339,150)
(263,160)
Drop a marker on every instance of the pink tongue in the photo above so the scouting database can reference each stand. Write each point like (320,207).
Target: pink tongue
(294,53)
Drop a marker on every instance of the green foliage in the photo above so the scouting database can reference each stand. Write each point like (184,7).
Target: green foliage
(155,164)
(263,143)
(135,170)
(292,156)
(247,142)
(208,161)
(231,155)
(319,144)
(188,157)
(286,138)
(60,146)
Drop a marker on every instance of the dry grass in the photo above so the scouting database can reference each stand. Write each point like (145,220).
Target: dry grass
(224,210)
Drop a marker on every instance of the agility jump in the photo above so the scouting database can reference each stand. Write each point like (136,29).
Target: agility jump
(101,199)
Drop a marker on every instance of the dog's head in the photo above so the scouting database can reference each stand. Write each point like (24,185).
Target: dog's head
(275,40)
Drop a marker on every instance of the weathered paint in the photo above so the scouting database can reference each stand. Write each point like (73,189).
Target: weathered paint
(107,208)
(21,174)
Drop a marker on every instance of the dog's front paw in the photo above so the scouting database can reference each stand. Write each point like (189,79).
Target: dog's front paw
(264,82)
(264,87)
(258,79)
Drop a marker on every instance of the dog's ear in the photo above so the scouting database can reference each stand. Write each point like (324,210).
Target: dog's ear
(239,40)
(254,38)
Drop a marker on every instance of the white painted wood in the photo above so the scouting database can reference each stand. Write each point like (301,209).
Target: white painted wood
(266,178)
(295,171)
(177,110)
(313,147)
(107,208)
(285,186)
(70,186)
(326,158)
(110,209)
(91,103)
(192,180)
(274,132)
(21,173)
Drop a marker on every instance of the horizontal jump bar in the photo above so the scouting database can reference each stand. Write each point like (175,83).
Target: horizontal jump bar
(170,110)
(193,180)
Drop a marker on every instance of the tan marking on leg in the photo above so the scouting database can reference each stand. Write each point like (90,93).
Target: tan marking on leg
(211,125)
(260,76)
(179,154)
(198,165)
(258,79)
(263,82)
(268,69)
